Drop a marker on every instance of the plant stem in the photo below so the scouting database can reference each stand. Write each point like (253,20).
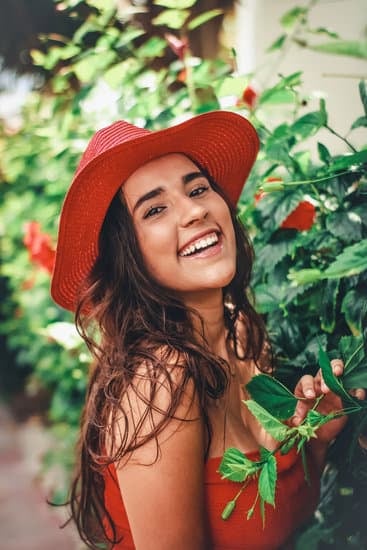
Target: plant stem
(341,137)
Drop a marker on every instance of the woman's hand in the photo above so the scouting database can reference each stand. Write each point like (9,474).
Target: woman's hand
(310,388)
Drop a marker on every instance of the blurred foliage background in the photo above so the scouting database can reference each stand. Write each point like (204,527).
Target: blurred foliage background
(154,64)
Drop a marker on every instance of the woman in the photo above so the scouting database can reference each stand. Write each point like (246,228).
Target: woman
(154,263)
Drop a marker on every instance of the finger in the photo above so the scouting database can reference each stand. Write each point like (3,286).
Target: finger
(300,412)
(306,387)
(337,366)
(359,393)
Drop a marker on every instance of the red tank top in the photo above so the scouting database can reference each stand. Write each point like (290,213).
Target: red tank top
(295,502)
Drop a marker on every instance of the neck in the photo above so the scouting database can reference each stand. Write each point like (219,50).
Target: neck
(211,311)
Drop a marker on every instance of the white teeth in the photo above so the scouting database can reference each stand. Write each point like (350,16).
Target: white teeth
(200,244)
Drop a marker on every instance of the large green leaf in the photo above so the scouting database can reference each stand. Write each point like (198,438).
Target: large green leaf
(273,426)
(272,396)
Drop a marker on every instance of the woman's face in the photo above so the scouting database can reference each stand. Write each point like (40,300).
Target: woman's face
(183,226)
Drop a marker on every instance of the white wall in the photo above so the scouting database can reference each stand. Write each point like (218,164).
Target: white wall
(257,23)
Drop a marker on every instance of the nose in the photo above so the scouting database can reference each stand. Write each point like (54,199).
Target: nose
(192,211)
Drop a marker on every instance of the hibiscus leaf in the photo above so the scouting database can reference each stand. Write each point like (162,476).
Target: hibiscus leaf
(272,396)
(268,477)
(271,424)
(236,466)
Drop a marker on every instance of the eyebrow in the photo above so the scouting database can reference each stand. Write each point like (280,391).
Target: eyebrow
(186,178)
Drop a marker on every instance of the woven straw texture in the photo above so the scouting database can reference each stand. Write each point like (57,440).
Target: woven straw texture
(223,143)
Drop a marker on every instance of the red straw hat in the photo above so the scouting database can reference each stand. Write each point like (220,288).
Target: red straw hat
(222,142)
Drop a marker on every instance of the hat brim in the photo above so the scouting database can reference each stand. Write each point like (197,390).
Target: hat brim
(222,142)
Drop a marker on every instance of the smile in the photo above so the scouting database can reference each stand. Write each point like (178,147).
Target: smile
(201,244)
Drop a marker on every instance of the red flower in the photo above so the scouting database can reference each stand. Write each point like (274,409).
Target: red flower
(177,45)
(249,96)
(301,218)
(39,245)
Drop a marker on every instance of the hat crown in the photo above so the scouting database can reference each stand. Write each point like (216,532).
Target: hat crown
(109,137)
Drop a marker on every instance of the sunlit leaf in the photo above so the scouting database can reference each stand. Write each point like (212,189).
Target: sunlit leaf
(203,18)
(236,466)
(173,19)
(175,4)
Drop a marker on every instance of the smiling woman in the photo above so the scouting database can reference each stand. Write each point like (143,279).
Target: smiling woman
(151,254)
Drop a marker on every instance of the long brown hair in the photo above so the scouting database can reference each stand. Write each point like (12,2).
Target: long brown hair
(132,320)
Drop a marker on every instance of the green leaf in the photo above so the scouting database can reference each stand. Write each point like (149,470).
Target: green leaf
(328,305)
(361,122)
(173,19)
(347,226)
(275,428)
(268,477)
(351,349)
(350,48)
(236,466)
(352,261)
(305,276)
(309,124)
(277,44)
(153,47)
(272,396)
(351,307)
(330,379)
(324,30)
(348,161)
(203,18)
(282,92)
(324,153)
(291,17)
(363,94)
(175,4)
(232,86)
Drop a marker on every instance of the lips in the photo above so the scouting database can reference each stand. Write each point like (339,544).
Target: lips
(199,243)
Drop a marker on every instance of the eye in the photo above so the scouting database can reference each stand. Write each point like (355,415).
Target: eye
(153,211)
(199,190)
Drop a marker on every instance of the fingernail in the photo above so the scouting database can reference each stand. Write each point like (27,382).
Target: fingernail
(309,393)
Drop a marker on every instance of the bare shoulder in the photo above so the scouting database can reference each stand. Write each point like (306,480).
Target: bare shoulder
(160,399)
(162,482)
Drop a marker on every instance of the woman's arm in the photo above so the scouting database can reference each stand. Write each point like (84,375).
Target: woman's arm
(163,492)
